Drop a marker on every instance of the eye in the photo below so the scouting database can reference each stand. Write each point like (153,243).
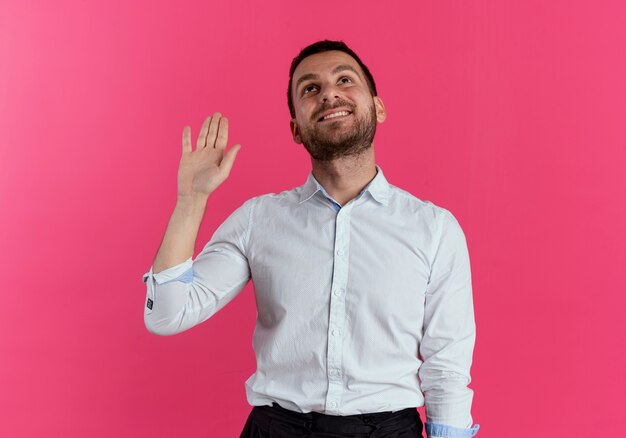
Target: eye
(308,89)
(345,78)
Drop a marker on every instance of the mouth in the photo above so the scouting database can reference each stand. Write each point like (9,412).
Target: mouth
(335,116)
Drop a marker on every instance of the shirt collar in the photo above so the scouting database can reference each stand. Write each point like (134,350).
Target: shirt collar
(378,187)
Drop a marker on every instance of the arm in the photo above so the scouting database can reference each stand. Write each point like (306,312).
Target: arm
(181,232)
(189,293)
(449,333)
(199,174)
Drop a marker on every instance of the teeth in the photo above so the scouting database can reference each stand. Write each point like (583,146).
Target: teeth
(340,113)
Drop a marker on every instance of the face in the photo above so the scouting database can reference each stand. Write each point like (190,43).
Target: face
(336,114)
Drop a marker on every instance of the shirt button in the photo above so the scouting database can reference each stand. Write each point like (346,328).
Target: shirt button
(335,332)
(333,404)
(339,252)
(337,292)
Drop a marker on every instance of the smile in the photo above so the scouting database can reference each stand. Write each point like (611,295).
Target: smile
(335,115)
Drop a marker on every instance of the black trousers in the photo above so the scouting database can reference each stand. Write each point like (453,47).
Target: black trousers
(277,422)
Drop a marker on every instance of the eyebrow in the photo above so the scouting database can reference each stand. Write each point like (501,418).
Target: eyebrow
(339,68)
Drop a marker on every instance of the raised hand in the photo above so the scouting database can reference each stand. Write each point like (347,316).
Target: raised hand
(203,170)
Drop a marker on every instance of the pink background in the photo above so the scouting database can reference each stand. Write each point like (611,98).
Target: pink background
(512,115)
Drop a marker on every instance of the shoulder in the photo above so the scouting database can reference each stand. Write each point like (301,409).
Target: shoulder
(285,197)
(427,215)
(407,201)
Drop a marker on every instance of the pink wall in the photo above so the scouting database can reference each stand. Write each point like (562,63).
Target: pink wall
(510,114)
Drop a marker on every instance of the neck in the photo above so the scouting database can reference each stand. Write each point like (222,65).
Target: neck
(345,177)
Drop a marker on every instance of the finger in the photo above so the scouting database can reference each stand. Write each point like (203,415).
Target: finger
(187,139)
(210,140)
(201,143)
(229,159)
(222,134)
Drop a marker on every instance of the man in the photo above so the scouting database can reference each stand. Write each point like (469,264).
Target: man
(363,291)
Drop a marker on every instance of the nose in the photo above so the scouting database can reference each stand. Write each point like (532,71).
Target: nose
(329,92)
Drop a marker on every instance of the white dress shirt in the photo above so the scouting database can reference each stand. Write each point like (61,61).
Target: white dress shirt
(365,307)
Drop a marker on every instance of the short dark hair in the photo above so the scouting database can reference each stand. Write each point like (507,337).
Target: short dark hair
(325,46)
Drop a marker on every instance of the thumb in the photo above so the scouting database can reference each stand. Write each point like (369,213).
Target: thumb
(229,158)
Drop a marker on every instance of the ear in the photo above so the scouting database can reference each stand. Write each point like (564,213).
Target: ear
(295,132)
(381,114)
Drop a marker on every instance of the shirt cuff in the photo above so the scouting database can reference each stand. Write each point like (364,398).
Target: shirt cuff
(181,272)
(436,430)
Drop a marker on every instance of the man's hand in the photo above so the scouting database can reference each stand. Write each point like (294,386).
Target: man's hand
(203,170)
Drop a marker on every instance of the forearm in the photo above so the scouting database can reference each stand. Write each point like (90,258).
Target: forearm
(182,230)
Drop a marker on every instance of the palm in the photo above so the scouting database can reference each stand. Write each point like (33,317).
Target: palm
(203,170)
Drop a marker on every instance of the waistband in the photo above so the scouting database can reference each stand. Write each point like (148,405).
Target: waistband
(318,422)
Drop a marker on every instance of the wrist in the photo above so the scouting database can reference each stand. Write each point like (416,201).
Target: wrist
(193,199)
(190,209)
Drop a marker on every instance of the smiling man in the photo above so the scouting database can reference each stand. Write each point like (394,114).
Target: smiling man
(363,291)
(333,126)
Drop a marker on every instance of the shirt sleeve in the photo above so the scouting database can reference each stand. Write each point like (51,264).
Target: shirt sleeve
(449,333)
(435,430)
(189,293)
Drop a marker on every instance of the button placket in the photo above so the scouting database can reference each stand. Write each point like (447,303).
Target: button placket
(337,308)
